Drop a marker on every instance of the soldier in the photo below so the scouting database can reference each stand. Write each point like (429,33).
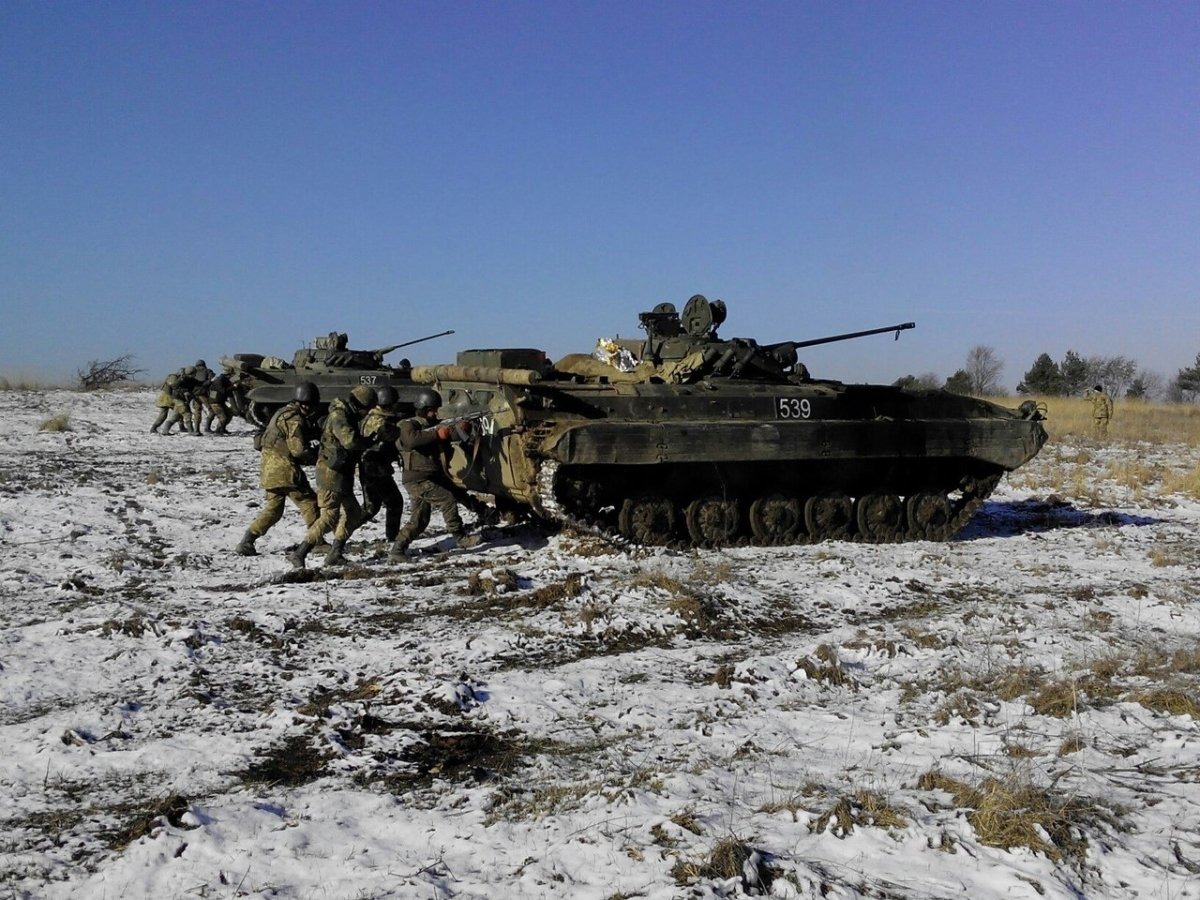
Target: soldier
(1102,409)
(220,390)
(202,412)
(185,391)
(179,389)
(165,403)
(341,446)
(287,444)
(375,469)
(421,452)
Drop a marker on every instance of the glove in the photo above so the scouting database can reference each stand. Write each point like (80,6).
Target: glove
(443,433)
(466,426)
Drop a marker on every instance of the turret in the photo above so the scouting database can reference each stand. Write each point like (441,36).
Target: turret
(686,347)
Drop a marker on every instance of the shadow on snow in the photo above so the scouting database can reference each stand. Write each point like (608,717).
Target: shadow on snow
(1008,519)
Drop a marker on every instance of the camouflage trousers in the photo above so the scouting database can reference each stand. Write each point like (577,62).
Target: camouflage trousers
(339,511)
(426,496)
(303,498)
(218,412)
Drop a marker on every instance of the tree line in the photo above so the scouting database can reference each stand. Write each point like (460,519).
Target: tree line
(1120,377)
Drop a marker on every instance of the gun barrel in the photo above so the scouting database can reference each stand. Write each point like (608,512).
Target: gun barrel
(850,335)
(384,351)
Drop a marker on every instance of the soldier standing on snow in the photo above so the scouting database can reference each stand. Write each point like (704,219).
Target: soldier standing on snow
(341,446)
(287,444)
(1102,410)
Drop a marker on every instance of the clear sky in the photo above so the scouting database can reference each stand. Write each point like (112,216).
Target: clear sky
(183,180)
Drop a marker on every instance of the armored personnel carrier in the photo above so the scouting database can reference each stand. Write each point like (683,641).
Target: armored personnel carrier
(686,438)
(262,384)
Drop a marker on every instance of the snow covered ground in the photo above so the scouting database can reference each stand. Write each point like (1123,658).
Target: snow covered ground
(1011,714)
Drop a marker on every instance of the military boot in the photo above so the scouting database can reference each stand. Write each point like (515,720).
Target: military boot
(399,551)
(297,556)
(335,557)
(246,547)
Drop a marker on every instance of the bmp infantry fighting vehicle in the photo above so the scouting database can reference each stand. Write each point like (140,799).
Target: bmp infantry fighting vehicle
(686,438)
(266,383)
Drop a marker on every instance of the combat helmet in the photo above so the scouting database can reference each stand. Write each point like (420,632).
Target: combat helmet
(307,393)
(386,396)
(427,398)
(363,396)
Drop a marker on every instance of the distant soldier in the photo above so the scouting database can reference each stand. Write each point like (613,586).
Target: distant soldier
(165,403)
(337,461)
(175,393)
(422,445)
(287,444)
(185,386)
(220,391)
(376,468)
(1102,409)
(202,412)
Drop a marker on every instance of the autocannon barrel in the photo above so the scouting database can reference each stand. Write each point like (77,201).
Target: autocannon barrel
(384,351)
(850,335)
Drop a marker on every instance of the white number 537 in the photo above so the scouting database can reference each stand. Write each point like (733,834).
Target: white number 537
(793,407)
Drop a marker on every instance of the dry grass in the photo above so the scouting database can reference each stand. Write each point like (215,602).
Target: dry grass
(726,860)
(1133,420)
(1183,482)
(826,668)
(1013,812)
(56,423)
(863,808)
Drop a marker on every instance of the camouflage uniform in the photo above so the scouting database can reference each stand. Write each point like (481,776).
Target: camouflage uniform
(286,446)
(186,386)
(375,470)
(1102,409)
(202,411)
(337,460)
(173,399)
(220,389)
(421,452)
(165,403)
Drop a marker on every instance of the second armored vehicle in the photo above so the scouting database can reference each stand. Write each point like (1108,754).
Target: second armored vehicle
(265,383)
(687,438)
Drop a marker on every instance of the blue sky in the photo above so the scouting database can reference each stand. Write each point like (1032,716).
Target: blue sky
(187,180)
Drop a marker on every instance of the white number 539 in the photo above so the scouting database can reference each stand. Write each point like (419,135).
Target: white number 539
(793,407)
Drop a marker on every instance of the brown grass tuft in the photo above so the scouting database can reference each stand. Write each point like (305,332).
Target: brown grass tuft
(56,423)
(1011,813)
(1173,701)
(863,808)
(727,860)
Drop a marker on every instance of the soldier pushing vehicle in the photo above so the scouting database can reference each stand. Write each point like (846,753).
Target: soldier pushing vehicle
(287,445)
(423,442)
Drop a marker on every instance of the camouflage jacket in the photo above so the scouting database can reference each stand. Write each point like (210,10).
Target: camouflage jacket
(166,392)
(341,446)
(286,446)
(183,387)
(380,431)
(1102,406)
(420,450)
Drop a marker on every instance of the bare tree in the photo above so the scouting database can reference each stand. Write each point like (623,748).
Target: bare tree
(983,369)
(1116,373)
(105,373)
